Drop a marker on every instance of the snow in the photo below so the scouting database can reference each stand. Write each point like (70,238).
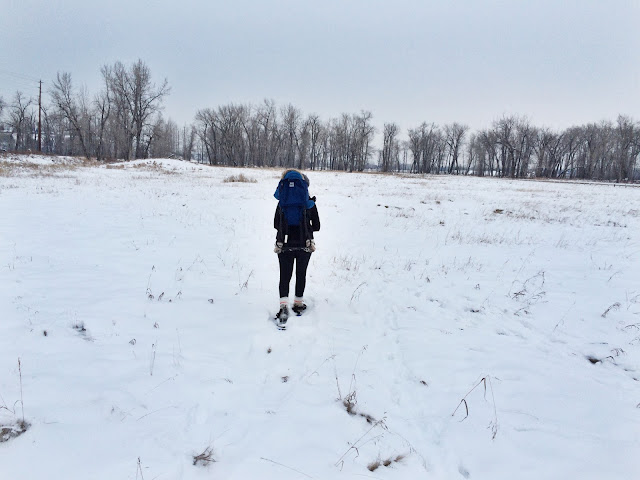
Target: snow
(155,282)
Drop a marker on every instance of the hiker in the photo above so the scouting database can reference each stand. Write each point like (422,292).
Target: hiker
(295,220)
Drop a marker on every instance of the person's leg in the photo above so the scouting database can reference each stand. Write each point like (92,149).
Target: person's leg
(286,271)
(302,262)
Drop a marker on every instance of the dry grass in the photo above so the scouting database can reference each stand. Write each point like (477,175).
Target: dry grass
(240,178)
(25,165)
(384,463)
(350,402)
(153,167)
(148,166)
(204,458)
(60,167)
(7,432)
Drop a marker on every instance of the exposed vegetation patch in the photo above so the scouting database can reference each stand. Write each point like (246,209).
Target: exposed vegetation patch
(40,166)
(7,432)
(240,178)
(373,466)
(204,458)
(350,402)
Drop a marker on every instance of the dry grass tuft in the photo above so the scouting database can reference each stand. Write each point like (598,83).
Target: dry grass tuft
(241,178)
(385,463)
(350,402)
(26,165)
(373,466)
(7,432)
(205,458)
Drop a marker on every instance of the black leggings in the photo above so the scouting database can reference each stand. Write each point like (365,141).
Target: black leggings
(286,270)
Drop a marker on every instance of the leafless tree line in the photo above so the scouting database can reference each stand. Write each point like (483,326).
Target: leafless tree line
(124,121)
(514,148)
(265,135)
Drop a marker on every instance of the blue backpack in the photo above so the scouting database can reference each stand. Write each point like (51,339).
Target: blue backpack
(293,197)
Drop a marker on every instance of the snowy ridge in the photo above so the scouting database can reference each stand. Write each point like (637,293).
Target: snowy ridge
(460,328)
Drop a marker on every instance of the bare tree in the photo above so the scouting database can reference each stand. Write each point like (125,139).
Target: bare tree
(269,135)
(188,141)
(317,134)
(206,131)
(363,136)
(71,108)
(389,146)
(290,124)
(102,105)
(137,100)
(18,119)
(627,147)
(426,146)
(454,136)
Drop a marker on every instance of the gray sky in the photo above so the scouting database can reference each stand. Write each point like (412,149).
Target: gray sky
(560,62)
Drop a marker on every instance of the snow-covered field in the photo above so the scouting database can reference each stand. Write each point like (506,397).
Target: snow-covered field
(474,328)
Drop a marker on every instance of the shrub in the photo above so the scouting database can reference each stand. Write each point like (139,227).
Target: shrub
(241,178)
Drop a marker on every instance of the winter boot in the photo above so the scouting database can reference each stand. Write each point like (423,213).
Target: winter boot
(283,314)
(298,306)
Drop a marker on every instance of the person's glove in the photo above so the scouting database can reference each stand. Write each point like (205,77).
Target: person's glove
(311,245)
(278,247)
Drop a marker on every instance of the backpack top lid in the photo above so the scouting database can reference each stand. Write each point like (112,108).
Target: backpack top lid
(293,196)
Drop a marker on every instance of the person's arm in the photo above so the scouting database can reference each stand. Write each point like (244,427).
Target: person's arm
(314,218)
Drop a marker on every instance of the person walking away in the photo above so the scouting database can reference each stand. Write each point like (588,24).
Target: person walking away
(296,219)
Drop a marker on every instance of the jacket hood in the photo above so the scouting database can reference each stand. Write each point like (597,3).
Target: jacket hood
(293,174)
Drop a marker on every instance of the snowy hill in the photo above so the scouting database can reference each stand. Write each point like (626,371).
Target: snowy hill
(458,327)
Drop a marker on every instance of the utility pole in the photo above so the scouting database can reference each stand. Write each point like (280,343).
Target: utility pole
(40,118)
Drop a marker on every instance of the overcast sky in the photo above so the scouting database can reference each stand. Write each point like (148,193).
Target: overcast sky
(558,62)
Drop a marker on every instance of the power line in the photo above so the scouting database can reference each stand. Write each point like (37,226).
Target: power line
(10,88)
(21,76)
(10,80)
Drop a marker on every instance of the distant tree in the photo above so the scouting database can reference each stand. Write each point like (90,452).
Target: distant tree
(290,123)
(136,100)
(627,147)
(487,161)
(389,146)
(164,140)
(188,141)
(102,104)
(317,134)
(19,119)
(454,137)
(572,140)
(230,121)
(474,151)
(363,137)
(303,144)
(426,144)
(268,135)
(205,129)
(72,108)
(514,138)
